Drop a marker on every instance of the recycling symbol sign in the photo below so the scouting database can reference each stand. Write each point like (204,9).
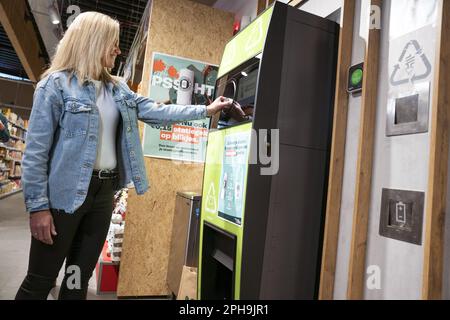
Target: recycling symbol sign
(255,35)
(211,202)
(412,66)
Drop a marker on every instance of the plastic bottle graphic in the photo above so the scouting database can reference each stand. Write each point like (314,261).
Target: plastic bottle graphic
(237,187)
(238,192)
(186,87)
(223,187)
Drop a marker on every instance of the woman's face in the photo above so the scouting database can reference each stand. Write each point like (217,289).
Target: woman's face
(111,56)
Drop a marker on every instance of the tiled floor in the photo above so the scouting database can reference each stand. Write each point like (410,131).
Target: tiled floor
(14,246)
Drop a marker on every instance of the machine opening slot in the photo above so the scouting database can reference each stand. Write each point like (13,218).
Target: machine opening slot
(223,259)
(218,263)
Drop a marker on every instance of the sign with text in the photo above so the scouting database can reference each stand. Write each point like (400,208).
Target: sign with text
(233,176)
(176,80)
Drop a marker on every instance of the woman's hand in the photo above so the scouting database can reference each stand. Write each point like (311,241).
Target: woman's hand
(219,104)
(2,127)
(42,227)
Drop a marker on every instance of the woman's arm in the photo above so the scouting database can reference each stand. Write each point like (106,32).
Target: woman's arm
(4,132)
(154,113)
(44,120)
(151,112)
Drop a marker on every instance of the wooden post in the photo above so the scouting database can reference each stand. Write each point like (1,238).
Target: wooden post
(262,5)
(438,165)
(355,289)
(331,232)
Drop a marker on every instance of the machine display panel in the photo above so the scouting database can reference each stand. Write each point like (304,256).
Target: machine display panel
(233,175)
(240,86)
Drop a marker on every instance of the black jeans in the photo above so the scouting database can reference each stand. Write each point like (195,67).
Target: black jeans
(79,240)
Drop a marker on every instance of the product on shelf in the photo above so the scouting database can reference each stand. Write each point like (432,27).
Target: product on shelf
(4,174)
(116,229)
(6,188)
(18,170)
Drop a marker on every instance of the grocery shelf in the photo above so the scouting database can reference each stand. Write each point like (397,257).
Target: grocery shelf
(10,148)
(17,138)
(10,193)
(12,159)
(17,125)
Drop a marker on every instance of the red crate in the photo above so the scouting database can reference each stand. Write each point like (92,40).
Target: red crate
(107,273)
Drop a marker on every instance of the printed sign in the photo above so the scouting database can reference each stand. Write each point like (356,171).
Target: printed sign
(176,80)
(234,173)
(411,58)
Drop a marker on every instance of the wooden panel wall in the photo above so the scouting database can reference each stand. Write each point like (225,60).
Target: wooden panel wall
(337,157)
(191,30)
(438,166)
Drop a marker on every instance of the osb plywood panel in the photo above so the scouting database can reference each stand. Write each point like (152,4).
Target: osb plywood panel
(191,30)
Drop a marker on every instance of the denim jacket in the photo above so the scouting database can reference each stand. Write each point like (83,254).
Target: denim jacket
(62,139)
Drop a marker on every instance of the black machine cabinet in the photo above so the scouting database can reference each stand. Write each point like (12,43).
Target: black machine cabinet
(284,213)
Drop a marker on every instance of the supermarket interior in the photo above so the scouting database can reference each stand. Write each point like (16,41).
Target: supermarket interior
(224,150)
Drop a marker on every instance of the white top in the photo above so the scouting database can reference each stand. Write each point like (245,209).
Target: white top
(109,120)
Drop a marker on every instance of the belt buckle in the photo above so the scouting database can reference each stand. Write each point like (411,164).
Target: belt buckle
(100,174)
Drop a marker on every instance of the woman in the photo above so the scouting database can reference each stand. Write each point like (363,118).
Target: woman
(82,144)
(4,132)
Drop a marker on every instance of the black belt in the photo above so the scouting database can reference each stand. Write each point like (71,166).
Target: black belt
(105,174)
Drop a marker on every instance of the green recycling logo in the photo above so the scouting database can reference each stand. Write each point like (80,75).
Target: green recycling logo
(406,70)
(211,202)
(255,36)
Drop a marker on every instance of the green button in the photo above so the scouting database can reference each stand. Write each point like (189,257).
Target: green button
(357,76)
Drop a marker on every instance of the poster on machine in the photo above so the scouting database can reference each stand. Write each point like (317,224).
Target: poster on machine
(233,176)
(176,80)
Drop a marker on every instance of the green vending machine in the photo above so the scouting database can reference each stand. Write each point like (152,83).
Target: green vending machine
(266,173)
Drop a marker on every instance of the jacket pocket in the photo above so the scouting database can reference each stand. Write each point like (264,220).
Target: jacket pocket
(76,118)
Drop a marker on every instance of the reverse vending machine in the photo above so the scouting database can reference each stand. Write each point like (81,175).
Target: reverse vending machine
(266,173)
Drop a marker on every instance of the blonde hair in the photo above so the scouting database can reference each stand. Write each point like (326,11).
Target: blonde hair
(87,41)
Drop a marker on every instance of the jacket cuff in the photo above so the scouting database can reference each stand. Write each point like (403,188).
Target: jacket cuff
(37,205)
(203,113)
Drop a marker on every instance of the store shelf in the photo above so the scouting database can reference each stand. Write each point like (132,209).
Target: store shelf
(17,138)
(15,177)
(4,169)
(11,159)
(10,148)
(18,126)
(4,181)
(10,193)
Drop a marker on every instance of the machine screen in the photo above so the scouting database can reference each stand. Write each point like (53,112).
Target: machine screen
(247,89)
(241,87)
